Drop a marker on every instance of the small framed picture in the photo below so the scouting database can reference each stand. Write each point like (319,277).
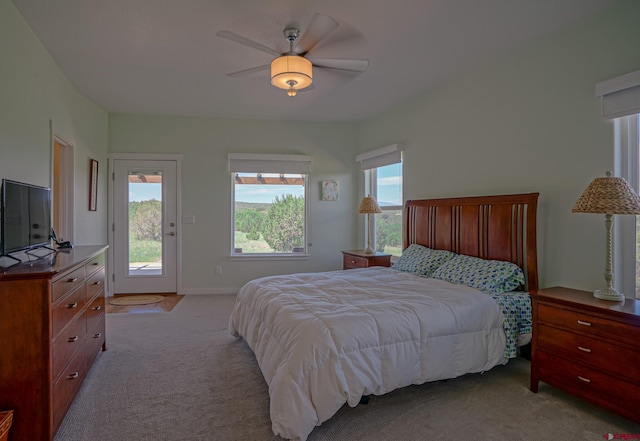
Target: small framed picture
(93,185)
(329,190)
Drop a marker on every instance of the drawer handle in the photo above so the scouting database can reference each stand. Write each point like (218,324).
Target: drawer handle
(353,261)
(73,376)
(72,305)
(97,308)
(98,282)
(584,349)
(586,380)
(98,335)
(72,339)
(580,322)
(94,263)
(71,280)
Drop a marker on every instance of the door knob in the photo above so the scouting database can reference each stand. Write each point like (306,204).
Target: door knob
(171,234)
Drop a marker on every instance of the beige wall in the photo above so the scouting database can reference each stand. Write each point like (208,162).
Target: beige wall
(36,98)
(525,122)
(206,188)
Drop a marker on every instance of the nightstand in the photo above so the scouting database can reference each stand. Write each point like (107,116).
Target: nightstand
(359,259)
(587,347)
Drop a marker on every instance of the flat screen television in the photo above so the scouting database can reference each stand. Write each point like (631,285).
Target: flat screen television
(25,217)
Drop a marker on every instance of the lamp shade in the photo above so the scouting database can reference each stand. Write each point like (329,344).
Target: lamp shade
(290,71)
(608,195)
(369,205)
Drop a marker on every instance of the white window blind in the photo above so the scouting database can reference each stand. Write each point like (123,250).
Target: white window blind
(258,163)
(620,95)
(391,154)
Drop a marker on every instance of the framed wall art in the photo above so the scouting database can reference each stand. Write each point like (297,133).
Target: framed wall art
(93,185)
(329,190)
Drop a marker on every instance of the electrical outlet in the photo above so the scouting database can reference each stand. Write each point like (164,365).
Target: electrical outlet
(218,270)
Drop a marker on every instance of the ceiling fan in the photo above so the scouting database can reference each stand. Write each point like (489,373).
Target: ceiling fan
(293,70)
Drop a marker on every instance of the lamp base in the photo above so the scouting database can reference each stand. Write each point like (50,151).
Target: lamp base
(369,250)
(611,294)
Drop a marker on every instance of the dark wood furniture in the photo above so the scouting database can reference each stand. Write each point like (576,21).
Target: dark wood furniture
(499,227)
(359,259)
(587,347)
(52,326)
(5,424)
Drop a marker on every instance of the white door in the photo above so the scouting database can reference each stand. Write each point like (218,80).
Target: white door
(145,226)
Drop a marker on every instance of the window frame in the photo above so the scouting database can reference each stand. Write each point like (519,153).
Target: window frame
(266,163)
(371,162)
(626,165)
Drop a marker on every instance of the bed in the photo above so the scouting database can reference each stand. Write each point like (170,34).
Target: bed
(454,303)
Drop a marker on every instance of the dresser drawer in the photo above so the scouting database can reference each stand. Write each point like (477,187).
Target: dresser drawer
(95,339)
(95,264)
(95,283)
(67,344)
(350,261)
(604,390)
(94,313)
(598,354)
(67,283)
(589,324)
(67,309)
(66,387)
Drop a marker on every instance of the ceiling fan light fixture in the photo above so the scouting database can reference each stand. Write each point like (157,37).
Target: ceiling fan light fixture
(291,91)
(291,72)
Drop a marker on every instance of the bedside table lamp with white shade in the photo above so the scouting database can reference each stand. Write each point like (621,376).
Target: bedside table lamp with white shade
(369,206)
(609,195)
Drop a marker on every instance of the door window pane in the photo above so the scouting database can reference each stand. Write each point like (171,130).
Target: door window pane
(145,223)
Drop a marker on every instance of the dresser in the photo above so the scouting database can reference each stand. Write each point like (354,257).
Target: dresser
(587,347)
(5,424)
(52,326)
(360,259)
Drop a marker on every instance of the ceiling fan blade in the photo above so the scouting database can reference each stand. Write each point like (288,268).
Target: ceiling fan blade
(249,71)
(350,64)
(247,42)
(319,28)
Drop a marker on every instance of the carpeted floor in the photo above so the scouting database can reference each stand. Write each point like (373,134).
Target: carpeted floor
(180,376)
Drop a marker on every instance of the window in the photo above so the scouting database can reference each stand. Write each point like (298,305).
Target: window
(270,194)
(626,263)
(621,102)
(383,181)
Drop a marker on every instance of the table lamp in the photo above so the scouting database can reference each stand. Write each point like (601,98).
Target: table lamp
(608,196)
(369,206)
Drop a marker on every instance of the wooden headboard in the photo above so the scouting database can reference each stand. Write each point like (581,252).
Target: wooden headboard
(490,227)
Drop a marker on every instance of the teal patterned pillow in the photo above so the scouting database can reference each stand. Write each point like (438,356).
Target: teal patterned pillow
(421,261)
(490,276)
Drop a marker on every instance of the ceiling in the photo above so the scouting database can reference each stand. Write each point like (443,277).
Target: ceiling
(162,57)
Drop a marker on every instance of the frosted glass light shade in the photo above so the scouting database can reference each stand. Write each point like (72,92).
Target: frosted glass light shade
(289,68)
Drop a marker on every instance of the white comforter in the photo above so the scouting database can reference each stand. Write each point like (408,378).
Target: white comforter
(323,339)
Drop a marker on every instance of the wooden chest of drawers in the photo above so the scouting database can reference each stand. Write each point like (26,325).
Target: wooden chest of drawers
(360,259)
(5,424)
(587,347)
(52,326)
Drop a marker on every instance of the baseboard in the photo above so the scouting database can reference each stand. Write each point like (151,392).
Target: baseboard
(205,291)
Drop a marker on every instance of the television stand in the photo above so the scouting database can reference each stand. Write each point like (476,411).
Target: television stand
(29,252)
(12,257)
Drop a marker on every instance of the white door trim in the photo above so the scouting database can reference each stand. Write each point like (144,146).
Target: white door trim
(67,170)
(145,157)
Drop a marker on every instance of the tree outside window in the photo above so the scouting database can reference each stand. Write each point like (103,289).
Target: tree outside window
(269,213)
